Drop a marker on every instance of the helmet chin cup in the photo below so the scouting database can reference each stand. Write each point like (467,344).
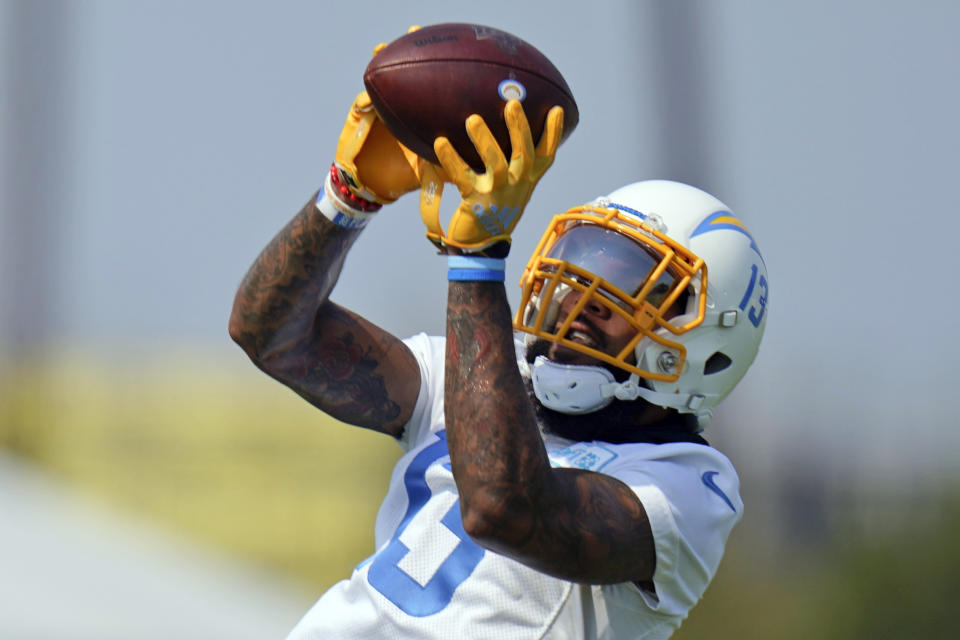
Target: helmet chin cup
(572,388)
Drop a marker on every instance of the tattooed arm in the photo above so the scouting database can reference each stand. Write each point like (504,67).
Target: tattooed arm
(338,361)
(573,524)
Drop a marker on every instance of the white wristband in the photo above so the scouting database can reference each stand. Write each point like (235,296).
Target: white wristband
(339,212)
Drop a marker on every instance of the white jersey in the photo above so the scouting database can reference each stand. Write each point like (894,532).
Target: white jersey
(428,579)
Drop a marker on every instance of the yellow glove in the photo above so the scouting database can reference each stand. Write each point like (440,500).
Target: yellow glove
(372,163)
(493,201)
(370,159)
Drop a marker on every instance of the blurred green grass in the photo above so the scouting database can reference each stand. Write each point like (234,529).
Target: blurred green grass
(224,455)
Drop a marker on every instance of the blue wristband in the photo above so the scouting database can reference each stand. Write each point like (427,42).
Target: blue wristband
(475,275)
(475,269)
(476,262)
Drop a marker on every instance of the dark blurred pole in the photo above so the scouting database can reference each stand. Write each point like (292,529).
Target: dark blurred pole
(35,46)
(789,510)
(675,44)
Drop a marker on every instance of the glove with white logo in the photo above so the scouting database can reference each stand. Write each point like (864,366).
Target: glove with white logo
(493,201)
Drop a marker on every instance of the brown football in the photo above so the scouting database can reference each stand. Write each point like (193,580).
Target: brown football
(426,83)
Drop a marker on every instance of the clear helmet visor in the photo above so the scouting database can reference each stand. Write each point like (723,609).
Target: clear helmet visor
(614,258)
(638,273)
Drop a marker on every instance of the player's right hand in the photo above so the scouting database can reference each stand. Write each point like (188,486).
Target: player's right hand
(371,161)
(374,165)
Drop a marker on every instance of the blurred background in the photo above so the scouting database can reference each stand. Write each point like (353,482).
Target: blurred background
(154,483)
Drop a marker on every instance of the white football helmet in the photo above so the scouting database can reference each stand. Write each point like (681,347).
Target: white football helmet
(675,263)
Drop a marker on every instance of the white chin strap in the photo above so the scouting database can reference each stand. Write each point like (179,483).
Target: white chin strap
(581,388)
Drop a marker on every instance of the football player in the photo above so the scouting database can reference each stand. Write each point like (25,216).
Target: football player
(555,481)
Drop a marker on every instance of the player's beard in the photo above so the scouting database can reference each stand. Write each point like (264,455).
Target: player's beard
(617,423)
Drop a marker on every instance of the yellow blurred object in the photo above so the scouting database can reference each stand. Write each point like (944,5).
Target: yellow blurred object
(209,450)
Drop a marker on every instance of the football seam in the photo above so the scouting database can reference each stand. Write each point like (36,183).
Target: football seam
(394,65)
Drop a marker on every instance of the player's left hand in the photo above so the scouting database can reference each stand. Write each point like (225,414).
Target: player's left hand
(493,201)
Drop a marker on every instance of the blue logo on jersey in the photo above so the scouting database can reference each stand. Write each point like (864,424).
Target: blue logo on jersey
(708,479)
(582,455)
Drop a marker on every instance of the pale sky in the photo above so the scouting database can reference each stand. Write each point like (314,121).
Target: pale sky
(197,129)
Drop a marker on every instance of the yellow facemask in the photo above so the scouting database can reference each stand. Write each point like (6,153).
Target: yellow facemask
(615,258)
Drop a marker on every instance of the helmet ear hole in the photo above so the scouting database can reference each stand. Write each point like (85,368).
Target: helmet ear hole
(716,363)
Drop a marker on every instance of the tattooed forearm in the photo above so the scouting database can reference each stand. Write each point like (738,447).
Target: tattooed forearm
(335,359)
(335,367)
(498,457)
(573,524)
(277,298)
